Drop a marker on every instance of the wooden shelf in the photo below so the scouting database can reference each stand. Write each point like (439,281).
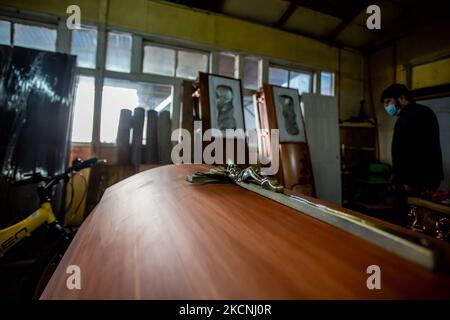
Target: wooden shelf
(373,182)
(359,148)
(357,125)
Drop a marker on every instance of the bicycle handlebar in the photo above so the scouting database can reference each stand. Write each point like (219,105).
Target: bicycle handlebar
(77,165)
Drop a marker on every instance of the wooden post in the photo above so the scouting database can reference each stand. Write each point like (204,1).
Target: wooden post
(123,137)
(151,147)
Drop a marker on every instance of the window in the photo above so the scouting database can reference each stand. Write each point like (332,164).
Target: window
(174,62)
(83,110)
(5,32)
(159,60)
(278,77)
(301,81)
(251,66)
(123,94)
(118,54)
(34,37)
(227,65)
(327,83)
(84,46)
(191,63)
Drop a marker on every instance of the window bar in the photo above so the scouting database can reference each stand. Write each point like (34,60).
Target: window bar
(63,35)
(239,67)
(11,33)
(176,63)
(99,79)
(318,82)
(214,65)
(136,54)
(263,72)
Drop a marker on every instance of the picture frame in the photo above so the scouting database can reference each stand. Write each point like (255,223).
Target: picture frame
(207,90)
(295,168)
(289,115)
(225,103)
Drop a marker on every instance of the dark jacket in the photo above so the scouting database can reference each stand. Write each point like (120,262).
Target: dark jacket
(416,149)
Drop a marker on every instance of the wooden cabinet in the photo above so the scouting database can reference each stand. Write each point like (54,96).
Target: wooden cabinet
(358,149)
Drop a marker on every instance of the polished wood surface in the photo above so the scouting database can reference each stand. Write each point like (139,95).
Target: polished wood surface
(296,168)
(156,236)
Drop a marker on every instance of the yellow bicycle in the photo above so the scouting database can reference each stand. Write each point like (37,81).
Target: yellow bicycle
(25,270)
(11,235)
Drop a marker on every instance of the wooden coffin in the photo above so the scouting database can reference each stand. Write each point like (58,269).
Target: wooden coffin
(156,236)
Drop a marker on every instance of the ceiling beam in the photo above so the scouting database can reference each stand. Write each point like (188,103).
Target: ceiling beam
(324,40)
(212,6)
(341,27)
(293,5)
(347,21)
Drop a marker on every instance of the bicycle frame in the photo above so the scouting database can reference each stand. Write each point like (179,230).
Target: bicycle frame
(10,236)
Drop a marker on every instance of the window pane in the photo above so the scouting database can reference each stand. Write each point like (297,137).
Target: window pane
(227,65)
(300,81)
(84,46)
(123,94)
(159,60)
(278,77)
(191,63)
(5,32)
(118,55)
(83,110)
(251,73)
(34,37)
(327,83)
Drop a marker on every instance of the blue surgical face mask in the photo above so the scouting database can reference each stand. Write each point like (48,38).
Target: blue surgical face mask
(391,110)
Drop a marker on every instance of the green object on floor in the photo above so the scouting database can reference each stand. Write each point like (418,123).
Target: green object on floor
(379,168)
(374,179)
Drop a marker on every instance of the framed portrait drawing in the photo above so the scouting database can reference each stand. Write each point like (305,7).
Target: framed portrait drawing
(225,103)
(289,115)
(218,105)
(279,108)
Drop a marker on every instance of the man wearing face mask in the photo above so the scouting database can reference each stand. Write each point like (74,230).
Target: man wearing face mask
(416,151)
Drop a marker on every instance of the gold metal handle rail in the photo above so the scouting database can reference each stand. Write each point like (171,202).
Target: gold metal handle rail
(416,249)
